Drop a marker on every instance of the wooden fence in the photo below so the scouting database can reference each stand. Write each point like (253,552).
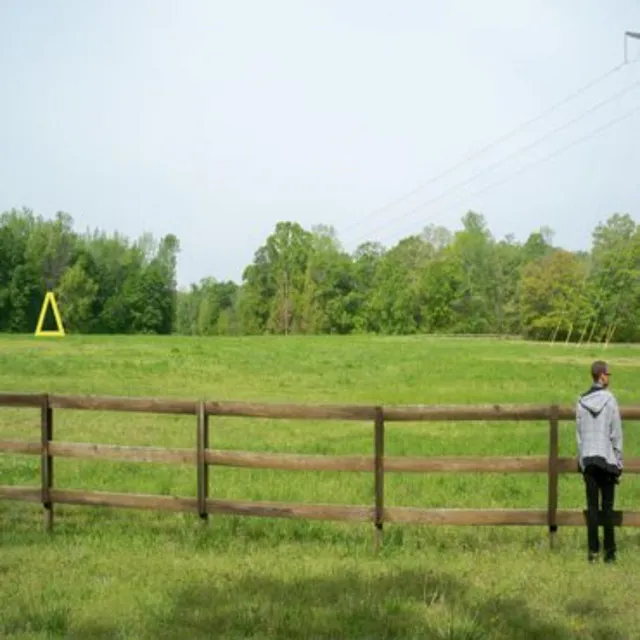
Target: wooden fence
(202,457)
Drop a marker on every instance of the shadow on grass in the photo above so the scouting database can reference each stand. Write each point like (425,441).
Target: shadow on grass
(374,603)
(409,604)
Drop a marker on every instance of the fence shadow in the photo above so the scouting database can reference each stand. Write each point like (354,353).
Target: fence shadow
(381,604)
(432,604)
(408,604)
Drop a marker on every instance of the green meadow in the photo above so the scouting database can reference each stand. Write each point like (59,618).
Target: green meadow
(109,573)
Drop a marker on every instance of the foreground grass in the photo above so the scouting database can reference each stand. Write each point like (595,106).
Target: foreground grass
(107,573)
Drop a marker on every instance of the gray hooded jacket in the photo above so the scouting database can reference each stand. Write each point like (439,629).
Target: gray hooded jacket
(599,428)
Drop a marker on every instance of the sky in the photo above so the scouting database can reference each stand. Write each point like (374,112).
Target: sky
(214,120)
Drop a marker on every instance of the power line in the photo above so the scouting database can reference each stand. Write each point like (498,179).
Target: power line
(493,144)
(517,152)
(550,156)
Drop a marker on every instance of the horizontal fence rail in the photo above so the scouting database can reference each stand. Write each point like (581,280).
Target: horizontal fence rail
(377,463)
(274,411)
(339,513)
(302,462)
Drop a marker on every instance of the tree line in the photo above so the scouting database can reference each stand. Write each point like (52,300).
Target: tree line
(103,283)
(302,281)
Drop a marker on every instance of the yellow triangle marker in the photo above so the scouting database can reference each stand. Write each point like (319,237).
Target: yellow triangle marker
(50,299)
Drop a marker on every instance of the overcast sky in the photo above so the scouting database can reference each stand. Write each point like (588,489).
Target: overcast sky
(213,119)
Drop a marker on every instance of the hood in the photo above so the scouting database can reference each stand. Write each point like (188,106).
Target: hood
(595,400)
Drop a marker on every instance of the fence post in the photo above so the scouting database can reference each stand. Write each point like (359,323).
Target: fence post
(553,474)
(378,465)
(46,464)
(202,437)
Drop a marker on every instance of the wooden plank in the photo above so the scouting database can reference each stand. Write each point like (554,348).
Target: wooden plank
(465,517)
(22,400)
(20,447)
(401,464)
(446,413)
(345,513)
(109,403)
(478,464)
(497,517)
(552,498)
(524,412)
(378,453)
(23,494)
(202,466)
(575,518)
(229,507)
(404,464)
(289,461)
(91,451)
(570,465)
(46,465)
(125,500)
(467,464)
(304,462)
(415,413)
(291,411)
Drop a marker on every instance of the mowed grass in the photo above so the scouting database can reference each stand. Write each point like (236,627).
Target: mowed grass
(124,573)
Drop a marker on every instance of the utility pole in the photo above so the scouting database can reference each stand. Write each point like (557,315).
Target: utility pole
(629,34)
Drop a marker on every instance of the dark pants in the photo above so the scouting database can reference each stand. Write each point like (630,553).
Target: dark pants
(599,483)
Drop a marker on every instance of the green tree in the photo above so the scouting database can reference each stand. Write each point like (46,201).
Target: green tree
(18,281)
(477,300)
(76,296)
(441,285)
(304,281)
(366,262)
(397,298)
(326,305)
(208,308)
(274,284)
(614,278)
(553,295)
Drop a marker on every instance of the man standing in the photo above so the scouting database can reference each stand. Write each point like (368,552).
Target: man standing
(599,438)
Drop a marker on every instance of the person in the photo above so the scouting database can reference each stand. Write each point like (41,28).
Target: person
(599,440)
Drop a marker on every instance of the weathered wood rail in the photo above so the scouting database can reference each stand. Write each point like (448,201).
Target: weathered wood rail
(202,457)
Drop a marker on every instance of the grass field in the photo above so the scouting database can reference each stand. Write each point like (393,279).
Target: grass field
(129,574)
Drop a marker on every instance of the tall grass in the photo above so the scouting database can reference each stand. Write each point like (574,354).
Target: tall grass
(110,573)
